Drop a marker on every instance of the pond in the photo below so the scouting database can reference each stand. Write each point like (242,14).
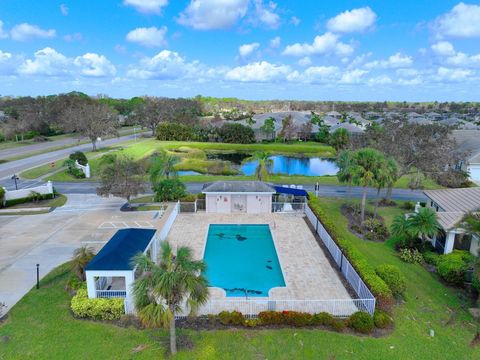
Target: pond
(289,165)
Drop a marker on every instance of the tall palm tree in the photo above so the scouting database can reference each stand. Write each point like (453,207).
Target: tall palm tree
(393,171)
(264,166)
(386,175)
(345,163)
(162,289)
(367,163)
(423,224)
(162,165)
(81,258)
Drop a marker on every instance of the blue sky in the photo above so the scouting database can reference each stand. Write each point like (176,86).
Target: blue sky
(253,49)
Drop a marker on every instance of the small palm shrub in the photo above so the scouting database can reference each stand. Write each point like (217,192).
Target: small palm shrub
(393,278)
(382,320)
(411,256)
(361,322)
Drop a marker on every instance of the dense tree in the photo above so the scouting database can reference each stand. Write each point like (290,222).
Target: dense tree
(305,131)
(268,127)
(123,178)
(169,190)
(236,134)
(339,139)
(289,129)
(91,120)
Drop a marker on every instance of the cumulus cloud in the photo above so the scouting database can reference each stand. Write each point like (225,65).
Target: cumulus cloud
(246,50)
(394,61)
(322,44)
(25,31)
(463,21)
(356,20)
(213,14)
(305,61)
(7,63)
(262,71)
(453,75)
(380,80)
(275,42)
(321,74)
(149,37)
(443,48)
(354,76)
(147,6)
(94,65)
(265,15)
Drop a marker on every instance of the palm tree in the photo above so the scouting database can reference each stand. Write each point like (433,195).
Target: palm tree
(162,165)
(345,163)
(264,166)
(367,163)
(423,224)
(386,175)
(162,289)
(393,171)
(471,223)
(400,226)
(81,258)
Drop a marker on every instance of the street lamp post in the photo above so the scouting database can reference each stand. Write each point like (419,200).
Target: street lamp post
(15,178)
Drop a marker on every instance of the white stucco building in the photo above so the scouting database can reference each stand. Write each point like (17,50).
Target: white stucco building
(252,197)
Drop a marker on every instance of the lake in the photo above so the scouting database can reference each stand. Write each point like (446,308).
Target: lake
(289,165)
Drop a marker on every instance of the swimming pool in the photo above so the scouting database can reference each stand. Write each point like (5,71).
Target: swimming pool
(242,260)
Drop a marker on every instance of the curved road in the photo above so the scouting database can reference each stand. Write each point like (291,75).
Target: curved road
(15,167)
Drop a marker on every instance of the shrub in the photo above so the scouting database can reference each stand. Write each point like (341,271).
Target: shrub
(73,170)
(98,308)
(375,230)
(408,205)
(31,197)
(431,258)
(376,285)
(74,283)
(361,322)
(2,195)
(322,318)
(271,317)
(188,198)
(338,325)
(452,267)
(393,278)
(236,134)
(231,318)
(295,318)
(168,131)
(253,322)
(80,157)
(412,256)
(382,320)
(169,190)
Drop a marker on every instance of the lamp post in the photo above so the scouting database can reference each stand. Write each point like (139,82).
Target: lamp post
(38,276)
(15,178)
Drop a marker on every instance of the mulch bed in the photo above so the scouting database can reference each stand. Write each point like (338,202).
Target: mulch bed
(354,221)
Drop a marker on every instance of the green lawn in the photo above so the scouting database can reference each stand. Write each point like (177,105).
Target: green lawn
(40,326)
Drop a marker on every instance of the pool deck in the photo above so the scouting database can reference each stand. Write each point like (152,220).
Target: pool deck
(307,272)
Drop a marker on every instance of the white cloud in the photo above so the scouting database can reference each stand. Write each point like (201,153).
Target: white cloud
(64,9)
(461,59)
(380,80)
(3,33)
(7,63)
(443,48)
(213,14)
(394,61)
(453,75)
(258,72)
(246,50)
(265,15)
(47,62)
(166,65)
(305,61)
(322,44)
(356,20)
(275,42)
(462,21)
(94,65)
(352,76)
(321,74)
(407,72)
(23,32)
(150,37)
(295,21)
(147,6)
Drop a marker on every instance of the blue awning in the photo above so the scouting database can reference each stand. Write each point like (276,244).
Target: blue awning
(118,252)
(290,191)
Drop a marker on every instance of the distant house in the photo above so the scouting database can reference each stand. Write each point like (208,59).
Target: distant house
(473,168)
(334,114)
(451,206)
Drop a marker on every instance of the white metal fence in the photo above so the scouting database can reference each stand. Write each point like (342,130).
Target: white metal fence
(366,299)
(288,207)
(111,293)
(165,230)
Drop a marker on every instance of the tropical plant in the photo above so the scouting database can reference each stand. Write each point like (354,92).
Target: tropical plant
(367,163)
(268,126)
(340,139)
(81,258)
(423,224)
(386,175)
(345,163)
(169,190)
(264,166)
(162,165)
(162,289)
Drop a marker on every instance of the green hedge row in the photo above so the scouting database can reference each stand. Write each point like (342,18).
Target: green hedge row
(377,286)
(98,309)
(28,199)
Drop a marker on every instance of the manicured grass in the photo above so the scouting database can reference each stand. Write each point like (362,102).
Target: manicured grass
(41,326)
(41,170)
(58,201)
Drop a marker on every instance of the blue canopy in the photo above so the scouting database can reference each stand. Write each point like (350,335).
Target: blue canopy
(290,191)
(119,250)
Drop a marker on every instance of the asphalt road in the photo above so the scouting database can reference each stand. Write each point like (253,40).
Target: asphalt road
(325,190)
(15,167)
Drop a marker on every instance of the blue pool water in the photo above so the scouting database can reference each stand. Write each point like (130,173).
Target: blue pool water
(242,260)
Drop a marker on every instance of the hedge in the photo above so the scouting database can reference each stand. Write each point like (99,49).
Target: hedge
(27,199)
(98,308)
(377,286)
(393,277)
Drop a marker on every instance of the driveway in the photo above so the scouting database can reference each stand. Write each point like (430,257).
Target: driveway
(50,239)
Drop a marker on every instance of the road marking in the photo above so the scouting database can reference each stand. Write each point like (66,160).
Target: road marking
(124,224)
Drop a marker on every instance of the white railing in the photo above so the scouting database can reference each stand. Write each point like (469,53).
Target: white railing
(165,230)
(287,207)
(344,265)
(111,293)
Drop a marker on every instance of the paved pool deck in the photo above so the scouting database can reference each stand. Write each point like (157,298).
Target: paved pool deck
(308,273)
